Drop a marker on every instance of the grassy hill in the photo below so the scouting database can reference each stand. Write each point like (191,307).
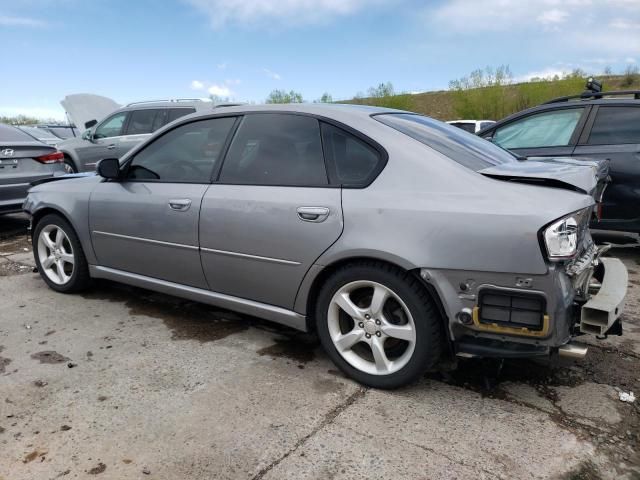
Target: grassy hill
(493,102)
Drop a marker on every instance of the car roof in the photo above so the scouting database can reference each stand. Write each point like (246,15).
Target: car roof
(337,111)
(177,103)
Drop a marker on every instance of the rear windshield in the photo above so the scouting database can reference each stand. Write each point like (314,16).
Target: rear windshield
(63,132)
(12,134)
(465,148)
(38,132)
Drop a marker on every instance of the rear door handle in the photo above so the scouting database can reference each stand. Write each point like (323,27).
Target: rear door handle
(313,214)
(180,204)
(111,147)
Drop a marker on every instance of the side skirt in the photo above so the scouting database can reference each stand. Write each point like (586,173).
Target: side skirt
(241,305)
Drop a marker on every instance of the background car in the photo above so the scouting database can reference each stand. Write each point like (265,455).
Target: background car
(23,159)
(471,126)
(590,125)
(123,129)
(61,131)
(397,237)
(40,134)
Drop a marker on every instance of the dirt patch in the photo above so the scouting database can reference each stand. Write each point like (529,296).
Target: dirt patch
(9,268)
(3,361)
(186,320)
(300,348)
(30,457)
(584,471)
(49,356)
(101,467)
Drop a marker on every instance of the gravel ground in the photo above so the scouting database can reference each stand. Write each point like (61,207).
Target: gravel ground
(125,383)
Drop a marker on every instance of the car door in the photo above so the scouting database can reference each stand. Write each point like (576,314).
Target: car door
(103,142)
(547,133)
(613,132)
(272,212)
(147,223)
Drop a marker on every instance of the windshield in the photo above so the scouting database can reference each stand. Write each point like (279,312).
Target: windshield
(465,148)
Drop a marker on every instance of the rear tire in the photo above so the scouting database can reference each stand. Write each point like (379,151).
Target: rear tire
(69,166)
(378,324)
(59,255)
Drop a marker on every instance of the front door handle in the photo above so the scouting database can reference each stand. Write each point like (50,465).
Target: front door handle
(111,147)
(313,214)
(180,204)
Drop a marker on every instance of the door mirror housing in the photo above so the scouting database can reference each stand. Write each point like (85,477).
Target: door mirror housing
(90,123)
(109,168)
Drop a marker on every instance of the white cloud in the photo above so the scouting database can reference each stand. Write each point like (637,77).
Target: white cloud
(197,85)
(8,21)
(630,60)
(552,16)
(623,24)
(548,72)
(267,12)
(222,66)
(220,90)
(272,75)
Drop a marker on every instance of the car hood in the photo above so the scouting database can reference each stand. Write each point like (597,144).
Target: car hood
(84,107)
(587,176)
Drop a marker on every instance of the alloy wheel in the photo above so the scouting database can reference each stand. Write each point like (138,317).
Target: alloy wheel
(56,254)
(371,327)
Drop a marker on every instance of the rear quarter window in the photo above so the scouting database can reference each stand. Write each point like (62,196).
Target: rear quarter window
(615,125)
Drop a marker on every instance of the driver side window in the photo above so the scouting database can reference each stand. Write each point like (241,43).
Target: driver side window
(111,127)
(186,154)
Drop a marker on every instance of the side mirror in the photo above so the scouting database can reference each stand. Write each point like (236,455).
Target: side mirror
(90,123)
(109,168)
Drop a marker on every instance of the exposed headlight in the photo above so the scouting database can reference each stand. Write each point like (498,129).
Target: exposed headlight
(561,238)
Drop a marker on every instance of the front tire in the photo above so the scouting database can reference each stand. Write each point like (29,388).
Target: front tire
(378,324)
(69,166)
(59,255)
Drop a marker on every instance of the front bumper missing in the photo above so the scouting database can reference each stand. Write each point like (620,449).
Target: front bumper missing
(603,308)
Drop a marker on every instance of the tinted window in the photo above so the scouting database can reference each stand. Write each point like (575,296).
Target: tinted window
(12,134)
(548,129)
(465,148)
(63,132)
(484,125)
(144,121)
(112,127)
(352,161)
(616,125)
(467,127)
(185,154)
(175,113)
(39,133)
(276,149)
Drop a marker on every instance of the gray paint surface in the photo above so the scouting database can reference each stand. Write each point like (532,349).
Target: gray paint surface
(242,244)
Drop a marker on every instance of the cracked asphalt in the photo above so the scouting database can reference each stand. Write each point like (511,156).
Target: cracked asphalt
(125,383)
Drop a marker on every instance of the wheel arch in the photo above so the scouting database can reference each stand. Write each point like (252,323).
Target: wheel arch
(307,297)
(68,155)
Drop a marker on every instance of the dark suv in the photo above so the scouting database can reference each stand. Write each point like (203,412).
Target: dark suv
(595,125)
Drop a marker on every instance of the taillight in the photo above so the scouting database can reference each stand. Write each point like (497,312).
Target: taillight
(55,157)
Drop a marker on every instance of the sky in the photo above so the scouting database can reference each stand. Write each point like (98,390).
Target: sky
(132,50)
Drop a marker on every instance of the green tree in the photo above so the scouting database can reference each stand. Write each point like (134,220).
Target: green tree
(282,96)
(630,75)
(325,98)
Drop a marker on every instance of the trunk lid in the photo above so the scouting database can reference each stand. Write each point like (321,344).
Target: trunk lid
(589,176)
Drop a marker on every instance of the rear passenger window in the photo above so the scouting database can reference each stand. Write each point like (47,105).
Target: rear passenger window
(276,149)
(142,121)
(175,113)
(616,125)
(351,161)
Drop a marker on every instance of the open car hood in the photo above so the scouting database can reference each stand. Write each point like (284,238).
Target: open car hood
(84,107)
(585,175)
